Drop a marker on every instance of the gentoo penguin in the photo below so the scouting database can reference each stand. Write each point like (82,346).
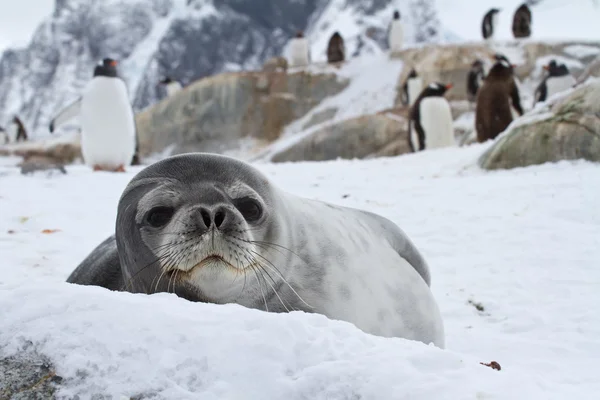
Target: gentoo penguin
(396,33)
(108,137)
(493,111)
(412,88)
(336,51)
(521,26)
(515,96)
(430,123)
(558,80)
(474,79)
(490,23)
(3,136)
(171,85)
(16,131)
(299,52)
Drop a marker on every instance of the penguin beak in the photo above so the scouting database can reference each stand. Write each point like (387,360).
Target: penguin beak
(448,86)
(546,67)
(113,63)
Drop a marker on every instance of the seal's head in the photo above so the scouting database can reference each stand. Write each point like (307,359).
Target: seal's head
(196,225)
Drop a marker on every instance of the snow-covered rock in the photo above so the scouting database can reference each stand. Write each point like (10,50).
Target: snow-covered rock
(565,127)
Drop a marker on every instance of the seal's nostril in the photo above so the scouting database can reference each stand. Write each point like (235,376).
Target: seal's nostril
(219,218)
(205,217)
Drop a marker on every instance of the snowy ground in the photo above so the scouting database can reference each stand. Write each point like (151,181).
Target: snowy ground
(524,244)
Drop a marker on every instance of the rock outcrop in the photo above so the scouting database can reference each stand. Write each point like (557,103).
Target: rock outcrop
(566,128)
(377,135)
(27,376)
(216,113)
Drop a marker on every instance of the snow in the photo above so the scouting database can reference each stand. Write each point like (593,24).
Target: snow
(524,243)
(551,19)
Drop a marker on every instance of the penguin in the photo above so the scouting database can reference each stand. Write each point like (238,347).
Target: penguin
(171,85)
(16,131)
(411,89)
(474,79)
(299,52)
(396,33)
(521,26)
(489,23)
(493,110)
(108,137)
(336,51)
(430,122)
(515,96)
(558,80)
(3,136)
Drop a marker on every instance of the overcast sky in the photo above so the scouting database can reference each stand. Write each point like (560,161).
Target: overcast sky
(19,18)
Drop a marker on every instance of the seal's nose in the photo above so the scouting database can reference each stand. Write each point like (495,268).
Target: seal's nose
(212,216)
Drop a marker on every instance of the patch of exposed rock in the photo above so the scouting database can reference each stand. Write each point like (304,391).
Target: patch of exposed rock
(215,114)
(26,377)
(377,135)
(565,128)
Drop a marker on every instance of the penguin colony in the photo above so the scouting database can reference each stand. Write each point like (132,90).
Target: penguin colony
(109,140)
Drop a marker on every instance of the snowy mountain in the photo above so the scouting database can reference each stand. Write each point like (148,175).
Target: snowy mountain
(186,39)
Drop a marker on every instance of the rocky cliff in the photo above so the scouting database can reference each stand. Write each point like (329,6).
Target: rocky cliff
(185,39)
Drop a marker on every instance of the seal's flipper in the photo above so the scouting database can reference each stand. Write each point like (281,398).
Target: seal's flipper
(65,114)
(100,268)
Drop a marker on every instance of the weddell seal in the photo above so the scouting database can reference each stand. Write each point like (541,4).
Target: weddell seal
(211,228)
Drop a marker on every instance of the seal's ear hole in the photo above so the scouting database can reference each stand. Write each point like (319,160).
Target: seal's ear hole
(250,209)
(159,216)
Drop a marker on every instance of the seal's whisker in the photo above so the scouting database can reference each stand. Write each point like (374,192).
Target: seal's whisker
(260,287)
(276,270)
(260,266)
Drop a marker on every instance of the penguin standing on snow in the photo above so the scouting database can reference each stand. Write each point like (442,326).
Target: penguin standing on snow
(558,80)
(413,85)
(490,23)
(493,111)
(521,26)
(336,50)
(108,138)
(430,123)
(3,136)
(299,53)
(16,131)
(474,79)
(171,85)
(396,33)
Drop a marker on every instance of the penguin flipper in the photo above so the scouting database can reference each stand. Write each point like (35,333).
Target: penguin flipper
(516,98)
(541,92)
(65,114)
(416,119)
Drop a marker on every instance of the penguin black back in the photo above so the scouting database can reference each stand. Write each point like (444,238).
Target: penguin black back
(521,26)
(108,68)
(396,14)
(474,79)
(335,48)
(493,110)
(435,89)
(487,25)
(405,95)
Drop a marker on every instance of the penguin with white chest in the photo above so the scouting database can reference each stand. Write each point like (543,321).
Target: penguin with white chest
(299,52)
(171,85)
(108,138)
(430,124)
(396,33)
(490,23)
(558,80)
(412,88)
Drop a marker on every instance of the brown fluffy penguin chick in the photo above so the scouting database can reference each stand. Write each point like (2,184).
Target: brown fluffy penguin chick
(335,49)
(492,114)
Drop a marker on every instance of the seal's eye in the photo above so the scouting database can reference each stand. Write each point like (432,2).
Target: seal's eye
(159,216)
(250,208)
